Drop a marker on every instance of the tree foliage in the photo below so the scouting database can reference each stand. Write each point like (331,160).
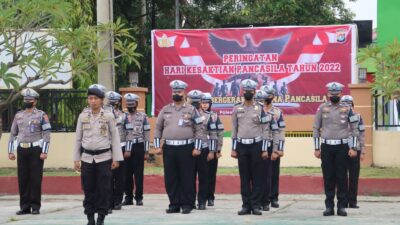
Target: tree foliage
(41,39)
(386,60)
(217,13)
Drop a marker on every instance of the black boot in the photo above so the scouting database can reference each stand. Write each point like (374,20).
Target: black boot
(354,206)
(127,202)
(90,218)
(265,208)
(341,212)
(23,212)
(274,204)
(328,212)
(117,206)
(244,211)
(100,219)
(256,211)
(202,206)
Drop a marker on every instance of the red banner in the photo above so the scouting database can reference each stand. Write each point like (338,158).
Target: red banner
(296,61)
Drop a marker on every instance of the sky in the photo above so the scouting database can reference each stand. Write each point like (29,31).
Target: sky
(364,10)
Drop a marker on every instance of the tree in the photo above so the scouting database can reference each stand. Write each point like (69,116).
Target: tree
(216,13)
(41,40)
(386,59)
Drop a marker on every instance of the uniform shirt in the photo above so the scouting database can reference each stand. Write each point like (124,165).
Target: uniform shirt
(178,123)
(137,126)
(246,121)
(213,130)
(333,122)
(28,127)
(274,128)
(97,132)
(361,134)
(120,120)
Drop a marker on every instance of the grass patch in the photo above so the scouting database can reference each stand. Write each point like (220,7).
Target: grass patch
(366,172)
(12,219)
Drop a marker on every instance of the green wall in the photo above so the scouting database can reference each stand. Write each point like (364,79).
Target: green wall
(388,20)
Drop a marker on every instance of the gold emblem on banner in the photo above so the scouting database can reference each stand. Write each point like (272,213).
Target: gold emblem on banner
(165,42)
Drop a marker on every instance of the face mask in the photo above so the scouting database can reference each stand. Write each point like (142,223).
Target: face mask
(131,109)
(248,96)
(177,98)
(196,105)
(113,103)
(268,101)
(28,105)
(334,99)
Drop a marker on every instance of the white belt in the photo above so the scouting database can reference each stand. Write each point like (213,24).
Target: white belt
(28,145)
(137,140)
(248,141)
(334,142)
(123,144)
(179,142)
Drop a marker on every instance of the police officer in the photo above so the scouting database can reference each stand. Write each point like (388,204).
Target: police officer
(97,152)
(269,128)
(137,150)
(354,163)
(247,147)
(216,134)
(201,168)
(117,183)
(180,125)
(30,138)
(331,140)
(278,141)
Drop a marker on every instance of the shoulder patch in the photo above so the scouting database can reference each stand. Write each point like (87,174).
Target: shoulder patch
(325,109)
(46,118)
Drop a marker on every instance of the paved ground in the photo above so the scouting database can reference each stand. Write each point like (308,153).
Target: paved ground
(295,210)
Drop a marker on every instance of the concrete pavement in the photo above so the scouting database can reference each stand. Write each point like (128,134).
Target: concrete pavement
(294,210)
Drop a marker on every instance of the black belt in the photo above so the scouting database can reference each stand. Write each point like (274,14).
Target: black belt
(96,152)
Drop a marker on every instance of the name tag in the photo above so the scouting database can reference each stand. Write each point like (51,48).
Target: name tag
(86,126)
(128,126)
(180,122)
(213,126)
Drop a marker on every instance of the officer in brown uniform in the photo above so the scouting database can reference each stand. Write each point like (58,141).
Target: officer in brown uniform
(117,182)
(97,152)
(248,147)
(180,125)
(275,150)
(201,168)
(30,138)
(354,163)
(331,139)
(269,128)
(215,129)
(137,151)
